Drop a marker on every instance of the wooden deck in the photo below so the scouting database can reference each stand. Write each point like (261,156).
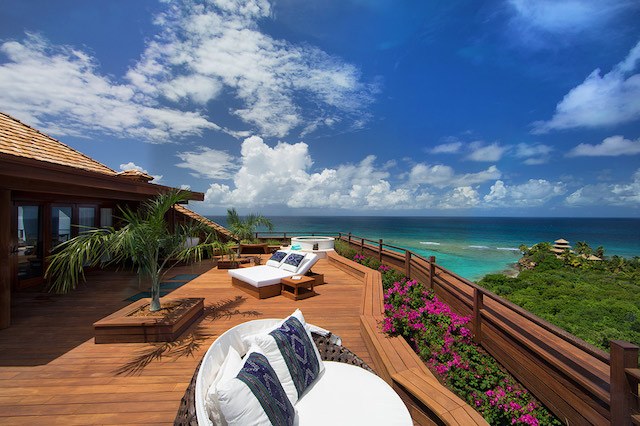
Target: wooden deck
(51,372)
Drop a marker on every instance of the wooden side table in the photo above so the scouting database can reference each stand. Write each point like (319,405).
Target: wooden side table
(298,289)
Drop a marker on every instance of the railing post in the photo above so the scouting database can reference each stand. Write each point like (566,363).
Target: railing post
(432,270)
(478,304)
(349,239)
(380,250)
(362,245)
(407,263)
(623,355)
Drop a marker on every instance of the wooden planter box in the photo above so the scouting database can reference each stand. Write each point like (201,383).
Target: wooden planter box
(228,264)
(121,327)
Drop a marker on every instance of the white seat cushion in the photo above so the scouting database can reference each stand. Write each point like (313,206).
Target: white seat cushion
(261,275)
(352,396)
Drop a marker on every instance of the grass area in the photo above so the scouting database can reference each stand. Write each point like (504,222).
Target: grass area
(596,301)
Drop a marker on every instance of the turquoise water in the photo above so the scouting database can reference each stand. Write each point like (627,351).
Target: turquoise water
(473,247)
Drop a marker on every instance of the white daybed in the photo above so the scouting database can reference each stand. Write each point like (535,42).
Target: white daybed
(350,394)
(263,281)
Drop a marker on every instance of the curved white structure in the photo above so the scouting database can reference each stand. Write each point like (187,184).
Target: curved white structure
(350,394)
(308,243)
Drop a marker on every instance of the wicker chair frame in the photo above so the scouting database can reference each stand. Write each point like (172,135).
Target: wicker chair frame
(328,352)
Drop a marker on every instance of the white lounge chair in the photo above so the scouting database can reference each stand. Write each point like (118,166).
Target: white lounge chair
(344,393)
(263,281)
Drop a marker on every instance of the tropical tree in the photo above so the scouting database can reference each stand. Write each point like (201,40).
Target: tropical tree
(244,229)
(145,240)
(583,248)
(600,252)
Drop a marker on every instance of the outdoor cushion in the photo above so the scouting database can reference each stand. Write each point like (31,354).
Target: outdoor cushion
(277,258)
(292,262)
(228,370)
(353,396)
(255,396)
(264,275)
(292,354)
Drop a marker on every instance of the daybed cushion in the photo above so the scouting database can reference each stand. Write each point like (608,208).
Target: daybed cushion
(228,370)
(353,396)
(264,275)
(255,396)
(260,276)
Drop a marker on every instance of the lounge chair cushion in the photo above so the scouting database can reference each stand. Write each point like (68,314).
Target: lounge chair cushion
(255,396)
(277,258)
(291,352)
(264,275)
(292,262)
(229,369)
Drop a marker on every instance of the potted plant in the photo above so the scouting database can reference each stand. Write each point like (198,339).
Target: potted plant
(145,240)
(228,250)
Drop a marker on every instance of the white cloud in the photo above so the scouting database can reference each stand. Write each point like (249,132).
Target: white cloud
(133,166)
(60,91)
(610,147)
(442,176)
(460,198)
(447,148)
(533,193)
(281,175)
(566,16)
(208,163)
(533,154)
(482,152)
(204,49)
(601,100)
(620,194)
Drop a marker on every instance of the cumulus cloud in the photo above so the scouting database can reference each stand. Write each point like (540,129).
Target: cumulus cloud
(208,163)
(601,100)
(481,152)
(619,194)
(59,90)
(533,154)
(442,176)
(613,146)
(447,148)
(533,193)
(281,175)
(133,166)
(205,48)
(463,197)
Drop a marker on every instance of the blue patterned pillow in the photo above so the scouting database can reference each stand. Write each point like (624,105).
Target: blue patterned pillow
(276,258)
(292,262)
(269,404)
(298,352)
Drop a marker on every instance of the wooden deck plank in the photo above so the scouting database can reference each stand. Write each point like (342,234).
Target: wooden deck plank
(52,372)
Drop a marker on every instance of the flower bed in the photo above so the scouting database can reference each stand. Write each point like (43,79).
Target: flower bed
(443,341)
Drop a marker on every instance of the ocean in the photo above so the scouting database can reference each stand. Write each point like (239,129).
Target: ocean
(472,246)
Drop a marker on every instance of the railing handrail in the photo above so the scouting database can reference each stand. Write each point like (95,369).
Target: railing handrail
(557,331)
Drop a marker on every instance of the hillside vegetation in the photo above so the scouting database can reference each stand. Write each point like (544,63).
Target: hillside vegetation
(597,301)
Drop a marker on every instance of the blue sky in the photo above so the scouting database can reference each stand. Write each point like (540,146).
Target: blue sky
(505,107)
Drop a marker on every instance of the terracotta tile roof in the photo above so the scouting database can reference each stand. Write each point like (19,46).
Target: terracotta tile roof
(195,216)
(19,139)
(136,175)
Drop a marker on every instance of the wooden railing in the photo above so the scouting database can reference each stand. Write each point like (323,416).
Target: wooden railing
(580,383)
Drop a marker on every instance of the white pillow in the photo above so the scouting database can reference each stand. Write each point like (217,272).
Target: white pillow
(277,258)
(292,262)
(269,346)
(255,396)
(228,370)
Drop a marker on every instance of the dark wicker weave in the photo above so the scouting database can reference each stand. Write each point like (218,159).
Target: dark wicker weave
(328,351)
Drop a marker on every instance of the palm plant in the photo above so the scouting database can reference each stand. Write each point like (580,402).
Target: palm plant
(583,248)
(145,240)
(244,229)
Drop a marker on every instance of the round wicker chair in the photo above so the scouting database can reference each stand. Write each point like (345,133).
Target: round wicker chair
(328,351)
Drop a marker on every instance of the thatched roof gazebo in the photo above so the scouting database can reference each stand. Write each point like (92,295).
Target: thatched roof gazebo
(559,246)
